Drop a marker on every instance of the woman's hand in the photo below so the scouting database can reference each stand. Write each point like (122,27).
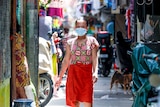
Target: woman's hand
(58,82)
(95,77)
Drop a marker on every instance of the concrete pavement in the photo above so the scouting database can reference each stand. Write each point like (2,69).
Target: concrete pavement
(102,95)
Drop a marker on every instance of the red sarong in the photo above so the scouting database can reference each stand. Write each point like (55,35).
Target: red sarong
(79,85)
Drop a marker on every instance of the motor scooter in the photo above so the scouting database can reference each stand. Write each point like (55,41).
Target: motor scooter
(142,89)
(123,59)
(45,73)
(105,53)
(154,80)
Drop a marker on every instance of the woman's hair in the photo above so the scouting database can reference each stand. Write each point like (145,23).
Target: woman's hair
(82,18)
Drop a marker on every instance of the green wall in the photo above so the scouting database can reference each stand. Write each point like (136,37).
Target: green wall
(5,93)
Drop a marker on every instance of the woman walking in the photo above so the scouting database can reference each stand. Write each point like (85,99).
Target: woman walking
(81,61)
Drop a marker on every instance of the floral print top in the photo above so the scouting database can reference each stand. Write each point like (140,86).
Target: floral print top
(82,53)
(22,70)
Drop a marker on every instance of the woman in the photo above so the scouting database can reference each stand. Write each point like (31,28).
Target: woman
(81,61)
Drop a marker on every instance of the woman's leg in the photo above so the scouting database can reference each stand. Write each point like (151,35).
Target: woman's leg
(75,104)
(86,104)
(21,92)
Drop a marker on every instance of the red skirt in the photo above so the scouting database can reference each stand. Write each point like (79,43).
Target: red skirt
(79,85)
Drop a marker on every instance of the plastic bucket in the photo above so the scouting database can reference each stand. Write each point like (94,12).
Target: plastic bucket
(22,103)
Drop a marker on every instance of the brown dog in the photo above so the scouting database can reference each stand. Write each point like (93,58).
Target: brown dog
(123,79)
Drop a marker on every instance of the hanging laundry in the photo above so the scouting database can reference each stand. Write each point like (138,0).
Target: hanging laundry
(114,4)
(55,8)
(51,11)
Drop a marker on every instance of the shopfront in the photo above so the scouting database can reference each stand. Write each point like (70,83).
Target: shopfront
(148,23)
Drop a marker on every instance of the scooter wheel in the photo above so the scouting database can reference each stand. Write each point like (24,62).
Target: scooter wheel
(45,89)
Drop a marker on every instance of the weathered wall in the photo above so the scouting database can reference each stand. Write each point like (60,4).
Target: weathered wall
(5,53)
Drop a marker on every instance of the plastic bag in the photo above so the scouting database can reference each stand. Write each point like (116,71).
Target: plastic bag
(31,93)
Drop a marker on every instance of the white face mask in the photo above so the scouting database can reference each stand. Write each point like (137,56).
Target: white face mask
(81,31)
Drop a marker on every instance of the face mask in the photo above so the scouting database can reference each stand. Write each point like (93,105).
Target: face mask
(81,31)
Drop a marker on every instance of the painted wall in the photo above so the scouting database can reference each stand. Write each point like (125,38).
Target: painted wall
(5,93)
(5,53)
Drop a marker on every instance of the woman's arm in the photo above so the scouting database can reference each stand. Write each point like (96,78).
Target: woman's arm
(65,64)
(95,63)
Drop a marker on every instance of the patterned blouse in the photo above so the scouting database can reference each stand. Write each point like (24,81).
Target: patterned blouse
(22,70)
(82,53)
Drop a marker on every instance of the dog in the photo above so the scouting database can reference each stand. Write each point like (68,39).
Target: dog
(123,79)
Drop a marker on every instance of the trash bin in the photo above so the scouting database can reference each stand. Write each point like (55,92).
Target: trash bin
(22,103)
